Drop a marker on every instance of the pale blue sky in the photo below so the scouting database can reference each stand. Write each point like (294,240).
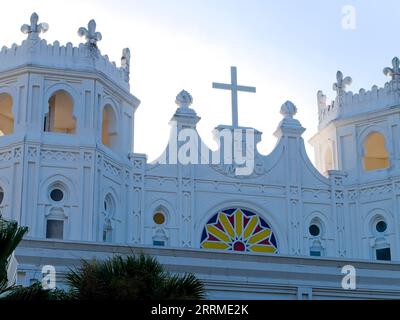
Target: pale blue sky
(287,49)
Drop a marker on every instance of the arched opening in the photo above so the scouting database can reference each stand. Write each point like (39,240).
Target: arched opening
(328,160)
(108,211)
(6,115)
(60,116)
(375,154)
(315,231)
(381,247)
(109,134)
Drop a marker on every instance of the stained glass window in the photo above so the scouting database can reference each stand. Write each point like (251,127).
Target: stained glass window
(238,230)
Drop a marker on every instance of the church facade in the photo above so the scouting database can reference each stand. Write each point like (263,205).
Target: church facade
(251,226)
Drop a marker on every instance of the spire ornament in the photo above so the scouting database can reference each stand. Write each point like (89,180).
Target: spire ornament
(340,86)
(184,99)
(288,109)
(393,72)
(91,36)
(126,63)
(34,29)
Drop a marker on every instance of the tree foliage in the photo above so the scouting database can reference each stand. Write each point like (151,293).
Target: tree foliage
(131,278)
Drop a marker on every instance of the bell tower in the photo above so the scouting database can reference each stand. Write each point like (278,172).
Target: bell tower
(66,133)
(359,132)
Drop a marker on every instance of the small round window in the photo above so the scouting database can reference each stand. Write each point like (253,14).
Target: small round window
(381,226)
(314,230)
(159,218)
(56,195)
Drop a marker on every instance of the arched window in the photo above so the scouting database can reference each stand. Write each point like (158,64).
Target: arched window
(239,230)
(109,134)
(60,116)
(109,211)
(381,245)
(57,193)
(375,154)
(315,231)
(6,115)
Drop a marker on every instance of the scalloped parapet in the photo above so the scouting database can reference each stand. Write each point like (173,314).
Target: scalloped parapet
(349,104)
(40,53)
(357,103)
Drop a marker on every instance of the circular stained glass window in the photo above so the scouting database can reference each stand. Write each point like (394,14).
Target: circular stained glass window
(56,195)
(159,218)
(238,230)
(314,230)
(381,226)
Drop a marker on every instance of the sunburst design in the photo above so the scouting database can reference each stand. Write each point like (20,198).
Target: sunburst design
(238,230)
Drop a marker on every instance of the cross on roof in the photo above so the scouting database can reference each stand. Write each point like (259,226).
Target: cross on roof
(234,88)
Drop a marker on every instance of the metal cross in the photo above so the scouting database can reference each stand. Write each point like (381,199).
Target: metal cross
(234,88)
(34,29)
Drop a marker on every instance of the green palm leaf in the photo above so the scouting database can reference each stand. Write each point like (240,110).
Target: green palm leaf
(10,236)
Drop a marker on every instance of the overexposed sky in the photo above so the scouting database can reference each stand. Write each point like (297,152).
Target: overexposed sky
(288,49)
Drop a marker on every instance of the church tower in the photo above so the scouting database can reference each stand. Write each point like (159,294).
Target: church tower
(359,133)
(66,126)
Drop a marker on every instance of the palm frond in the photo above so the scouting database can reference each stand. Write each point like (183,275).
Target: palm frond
(10,236)
(131,278)
(34,292)
(186,287)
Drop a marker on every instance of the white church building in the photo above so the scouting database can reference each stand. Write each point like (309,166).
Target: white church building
(250,226)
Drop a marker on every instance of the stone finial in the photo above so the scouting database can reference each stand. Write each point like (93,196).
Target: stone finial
(90,34)
(288,109)
(340,85)
(395,71)
(126,62)
(321,99)
(184,99)
(34,29)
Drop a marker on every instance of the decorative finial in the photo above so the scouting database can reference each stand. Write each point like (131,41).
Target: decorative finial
(126,62)
(184,99)
(34,29)
(90,34)
(395,71)
(340,85)
(321,98)
(288,109)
